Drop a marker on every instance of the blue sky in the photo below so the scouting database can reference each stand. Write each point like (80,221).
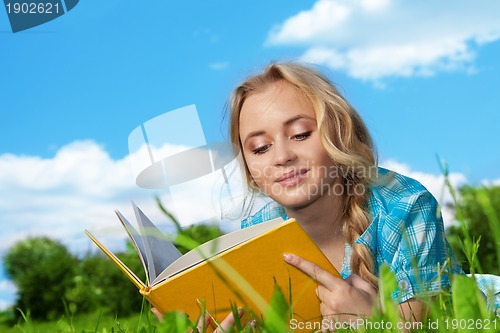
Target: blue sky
(424,76)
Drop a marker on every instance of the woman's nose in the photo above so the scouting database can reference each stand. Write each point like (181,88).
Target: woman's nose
(283,154)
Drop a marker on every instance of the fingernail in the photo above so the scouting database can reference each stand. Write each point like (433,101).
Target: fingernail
(317,292)
(287,257)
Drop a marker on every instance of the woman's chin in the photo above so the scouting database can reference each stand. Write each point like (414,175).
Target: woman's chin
(293,202)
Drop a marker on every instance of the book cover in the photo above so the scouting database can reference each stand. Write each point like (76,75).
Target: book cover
(239,268)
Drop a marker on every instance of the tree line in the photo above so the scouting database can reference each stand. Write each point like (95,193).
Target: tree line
(51,281)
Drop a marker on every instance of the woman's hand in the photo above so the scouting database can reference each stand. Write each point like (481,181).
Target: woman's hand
(340,299)
(206,322)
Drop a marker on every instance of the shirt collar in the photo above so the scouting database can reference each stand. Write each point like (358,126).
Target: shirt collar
(369,236)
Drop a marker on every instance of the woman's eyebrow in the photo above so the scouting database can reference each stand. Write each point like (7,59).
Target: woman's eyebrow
(292,120)
(253,134)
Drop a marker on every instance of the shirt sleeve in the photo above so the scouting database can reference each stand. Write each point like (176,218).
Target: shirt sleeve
(424,261)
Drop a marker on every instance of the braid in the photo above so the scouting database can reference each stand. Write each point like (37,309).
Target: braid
(356,220)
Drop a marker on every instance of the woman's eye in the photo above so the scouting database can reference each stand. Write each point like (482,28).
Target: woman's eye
(302,136)
(260,150)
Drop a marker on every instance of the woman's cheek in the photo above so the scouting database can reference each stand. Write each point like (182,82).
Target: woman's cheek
(259,177)
(258,180)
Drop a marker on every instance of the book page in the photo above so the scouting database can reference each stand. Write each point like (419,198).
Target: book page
(138,283)
(216,246)
(135,237)
(159,251)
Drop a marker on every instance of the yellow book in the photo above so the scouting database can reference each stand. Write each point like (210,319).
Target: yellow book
(238,268)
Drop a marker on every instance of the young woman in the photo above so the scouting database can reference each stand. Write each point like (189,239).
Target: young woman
(306,148)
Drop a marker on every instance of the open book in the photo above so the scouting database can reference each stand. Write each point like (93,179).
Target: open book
(239,268)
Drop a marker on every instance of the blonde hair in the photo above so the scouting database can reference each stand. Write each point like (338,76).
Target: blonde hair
(344,137)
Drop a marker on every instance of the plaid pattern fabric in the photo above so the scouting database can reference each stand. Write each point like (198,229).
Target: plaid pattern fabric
(490,286)
(406,233)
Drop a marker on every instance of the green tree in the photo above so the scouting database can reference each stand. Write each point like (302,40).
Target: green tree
(199,234)
(98,283)
(479,209)
(194,234)
(42,270)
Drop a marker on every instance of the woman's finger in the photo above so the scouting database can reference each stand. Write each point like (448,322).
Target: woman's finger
(331,304)
(157,314)
(203,323)
(228,322)
(317,273)
(357,282)
(322,293)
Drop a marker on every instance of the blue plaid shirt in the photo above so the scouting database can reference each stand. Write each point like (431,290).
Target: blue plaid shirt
(406,233)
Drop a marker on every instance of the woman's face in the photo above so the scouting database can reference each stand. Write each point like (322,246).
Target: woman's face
(282,148)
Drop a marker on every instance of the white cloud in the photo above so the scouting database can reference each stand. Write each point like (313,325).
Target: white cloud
(374,5)
(4,305)
(8,292)
(79,188)
(494,182)
(7,286)
(374,39)
(434,184)
(312,25)
(58,197)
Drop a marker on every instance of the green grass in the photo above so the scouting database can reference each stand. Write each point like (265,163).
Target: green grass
(94,322)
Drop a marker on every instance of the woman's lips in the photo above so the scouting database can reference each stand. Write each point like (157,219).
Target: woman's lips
(293,177)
